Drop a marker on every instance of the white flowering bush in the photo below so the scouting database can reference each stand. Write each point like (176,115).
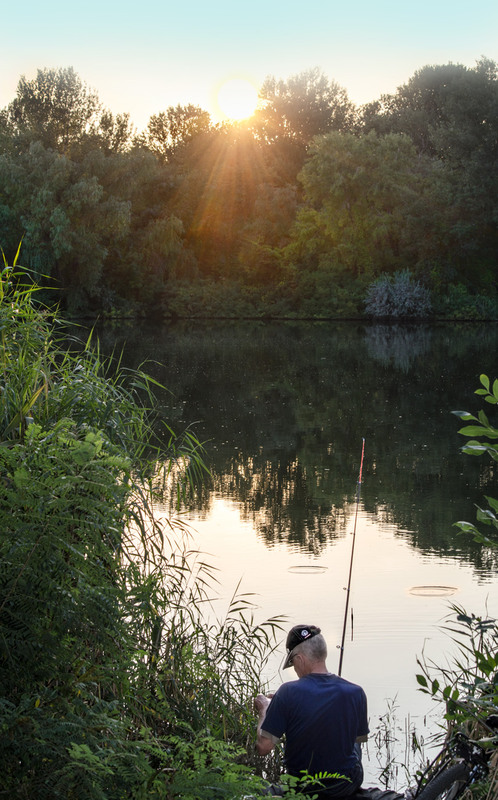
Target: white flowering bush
(398,295)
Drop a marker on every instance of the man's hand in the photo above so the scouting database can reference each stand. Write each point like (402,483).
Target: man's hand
(264,745)
(261,703)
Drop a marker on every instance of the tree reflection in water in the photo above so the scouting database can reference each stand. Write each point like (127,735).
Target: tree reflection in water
(283,408)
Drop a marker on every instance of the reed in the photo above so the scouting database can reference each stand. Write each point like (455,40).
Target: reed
(118,680)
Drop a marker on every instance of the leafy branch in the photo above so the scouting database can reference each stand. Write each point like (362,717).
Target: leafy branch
(485,441)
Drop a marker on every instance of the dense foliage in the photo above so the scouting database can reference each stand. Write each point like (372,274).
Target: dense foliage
(115,681)
(482,439)
(295,212)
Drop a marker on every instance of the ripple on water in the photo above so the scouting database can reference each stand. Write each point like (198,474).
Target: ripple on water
(433,591)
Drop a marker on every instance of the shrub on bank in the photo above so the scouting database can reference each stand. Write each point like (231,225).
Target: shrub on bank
(457,302)
(398,295)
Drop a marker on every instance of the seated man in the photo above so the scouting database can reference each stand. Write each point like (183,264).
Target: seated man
(322,716)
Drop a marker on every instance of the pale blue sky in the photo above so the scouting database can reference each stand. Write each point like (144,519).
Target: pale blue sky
(142,57)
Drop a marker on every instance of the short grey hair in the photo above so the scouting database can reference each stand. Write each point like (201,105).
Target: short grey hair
(314,648)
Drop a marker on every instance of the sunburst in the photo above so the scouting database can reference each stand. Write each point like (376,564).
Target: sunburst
(237,99)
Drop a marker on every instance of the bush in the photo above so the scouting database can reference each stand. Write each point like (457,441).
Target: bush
(398,295)
(458,302)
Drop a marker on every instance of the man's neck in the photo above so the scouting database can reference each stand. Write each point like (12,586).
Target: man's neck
(319,668)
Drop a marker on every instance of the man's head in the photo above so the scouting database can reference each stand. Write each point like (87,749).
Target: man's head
(307,641)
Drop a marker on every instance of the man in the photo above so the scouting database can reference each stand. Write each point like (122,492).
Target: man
(323,717)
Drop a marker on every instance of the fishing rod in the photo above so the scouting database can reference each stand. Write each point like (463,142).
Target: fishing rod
(348,588)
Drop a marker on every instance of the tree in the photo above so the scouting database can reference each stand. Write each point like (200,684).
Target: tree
(56,108)
(368,207)
(305,105)
(448,111)
(67,219)
(451,114)
(292,112)
(267,232)
(217,179)
(170,129)
(114,133)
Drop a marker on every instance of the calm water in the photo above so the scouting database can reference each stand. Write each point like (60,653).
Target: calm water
(283,409)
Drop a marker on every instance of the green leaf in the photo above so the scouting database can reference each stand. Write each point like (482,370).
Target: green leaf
(485,381)
(471,430)
(483,418)
(474,449)
(486,516)
(463,415)
(421,680)
(493,502)
(466,527)
(21,478)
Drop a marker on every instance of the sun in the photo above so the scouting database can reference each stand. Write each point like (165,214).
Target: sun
(237,99)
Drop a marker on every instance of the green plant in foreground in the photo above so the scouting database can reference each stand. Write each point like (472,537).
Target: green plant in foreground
(468,686)
(115,681)
(487,442)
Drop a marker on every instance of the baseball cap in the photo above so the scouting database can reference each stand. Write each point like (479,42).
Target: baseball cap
(297,635)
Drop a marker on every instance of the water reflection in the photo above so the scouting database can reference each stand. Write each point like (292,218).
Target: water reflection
(283,409)
(398,345)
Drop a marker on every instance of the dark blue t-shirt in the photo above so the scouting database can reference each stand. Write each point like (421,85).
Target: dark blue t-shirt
(321,717)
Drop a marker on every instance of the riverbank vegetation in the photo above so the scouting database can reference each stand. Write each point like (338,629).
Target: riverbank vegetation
(116,680)
(312,208)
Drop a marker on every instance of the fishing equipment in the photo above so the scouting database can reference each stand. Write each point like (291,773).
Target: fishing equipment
(348,588)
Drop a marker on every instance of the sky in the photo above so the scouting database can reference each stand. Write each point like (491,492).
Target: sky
(144,56)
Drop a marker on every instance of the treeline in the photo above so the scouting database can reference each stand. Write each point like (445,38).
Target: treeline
(311,208)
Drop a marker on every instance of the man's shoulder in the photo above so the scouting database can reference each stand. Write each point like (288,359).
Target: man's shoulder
(330,678)
(336,686)
(313,682)
(287,687)
(316,681)
(349,684)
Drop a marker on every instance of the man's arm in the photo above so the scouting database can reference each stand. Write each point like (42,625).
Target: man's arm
(264,744)
(363,737)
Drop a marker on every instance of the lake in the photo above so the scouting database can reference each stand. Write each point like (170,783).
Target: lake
(283,409)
